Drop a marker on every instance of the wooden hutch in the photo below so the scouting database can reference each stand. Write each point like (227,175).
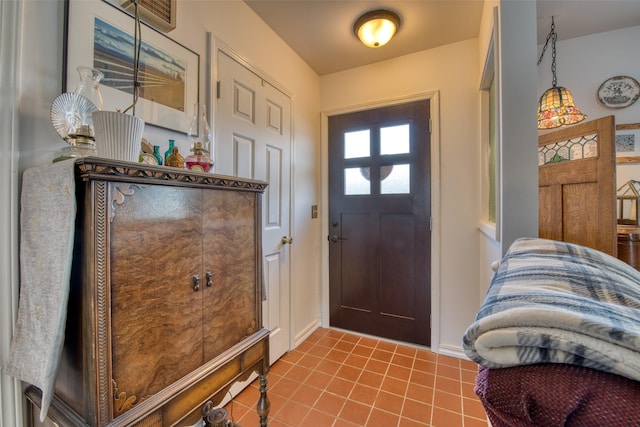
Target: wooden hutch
(164,311)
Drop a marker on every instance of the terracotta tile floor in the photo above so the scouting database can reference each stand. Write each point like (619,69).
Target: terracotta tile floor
(338,379)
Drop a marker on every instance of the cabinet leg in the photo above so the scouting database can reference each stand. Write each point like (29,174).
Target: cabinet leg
(263,403)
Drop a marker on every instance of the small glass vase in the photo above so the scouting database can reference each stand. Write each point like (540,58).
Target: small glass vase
(89,87)
(157,155)
(167,153)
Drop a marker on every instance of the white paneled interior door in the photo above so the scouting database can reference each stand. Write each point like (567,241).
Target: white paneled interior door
(253,140)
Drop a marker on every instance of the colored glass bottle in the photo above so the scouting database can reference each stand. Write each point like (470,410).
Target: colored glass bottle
(199,160)
(175,159)
(169,151)
(156,152)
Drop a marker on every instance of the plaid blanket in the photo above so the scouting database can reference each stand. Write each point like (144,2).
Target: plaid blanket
(557,302)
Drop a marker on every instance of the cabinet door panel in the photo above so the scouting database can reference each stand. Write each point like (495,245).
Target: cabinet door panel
(229,253)
(156,249)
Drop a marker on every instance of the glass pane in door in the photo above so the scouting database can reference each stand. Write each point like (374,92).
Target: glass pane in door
(394,139)
(356,144)
(356,181)
(397,181)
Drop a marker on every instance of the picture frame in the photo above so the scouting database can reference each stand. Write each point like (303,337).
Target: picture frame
(100,35)
(628,143)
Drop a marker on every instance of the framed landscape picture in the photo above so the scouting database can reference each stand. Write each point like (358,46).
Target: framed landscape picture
(101,35)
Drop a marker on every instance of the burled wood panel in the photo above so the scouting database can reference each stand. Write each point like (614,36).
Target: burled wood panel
(229,253)
(156,248)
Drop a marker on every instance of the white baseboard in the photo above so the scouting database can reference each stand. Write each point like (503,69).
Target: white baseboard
(306,332)
(444,349)
(453,351)
(389,340)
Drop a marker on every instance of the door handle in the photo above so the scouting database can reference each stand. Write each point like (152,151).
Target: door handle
(286,240)
(209,277)
(334,238)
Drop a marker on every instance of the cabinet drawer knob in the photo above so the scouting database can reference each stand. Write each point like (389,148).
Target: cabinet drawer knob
(196,283)
(209,277)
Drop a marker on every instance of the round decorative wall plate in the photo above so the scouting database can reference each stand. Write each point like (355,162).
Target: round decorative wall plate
(619,92)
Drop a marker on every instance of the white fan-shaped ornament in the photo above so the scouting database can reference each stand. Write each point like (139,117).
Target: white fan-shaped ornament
(69,111)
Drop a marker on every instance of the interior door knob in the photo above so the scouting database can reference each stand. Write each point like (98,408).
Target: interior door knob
(286,240)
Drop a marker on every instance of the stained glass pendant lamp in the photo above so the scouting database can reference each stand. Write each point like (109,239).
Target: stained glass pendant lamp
(556,107)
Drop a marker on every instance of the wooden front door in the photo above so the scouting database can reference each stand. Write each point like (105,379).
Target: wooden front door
(577,185)
(379,211)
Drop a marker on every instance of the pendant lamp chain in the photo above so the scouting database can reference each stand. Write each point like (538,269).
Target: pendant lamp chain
(553,36)
(556,107)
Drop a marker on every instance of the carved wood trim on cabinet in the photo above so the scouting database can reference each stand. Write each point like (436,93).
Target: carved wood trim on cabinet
(103,320)
(98,168)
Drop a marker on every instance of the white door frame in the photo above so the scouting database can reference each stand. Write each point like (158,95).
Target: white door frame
(214,45)
(434,100)
(11,397)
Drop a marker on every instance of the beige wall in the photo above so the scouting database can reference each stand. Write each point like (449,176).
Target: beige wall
(239,28)
(37,37)
(235,24)
(452,72)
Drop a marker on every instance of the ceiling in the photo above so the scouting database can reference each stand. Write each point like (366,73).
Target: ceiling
(320,31)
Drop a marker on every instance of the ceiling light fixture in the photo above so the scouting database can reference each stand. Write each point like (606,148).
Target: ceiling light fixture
(377,27)
(556,107)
